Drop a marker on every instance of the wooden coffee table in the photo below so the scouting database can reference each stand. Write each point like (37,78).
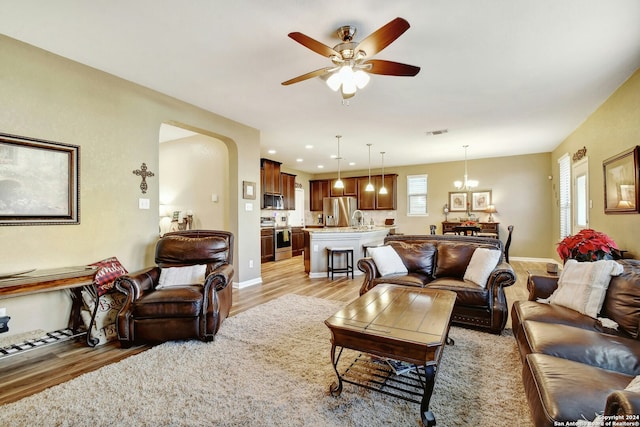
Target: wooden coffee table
(395,322)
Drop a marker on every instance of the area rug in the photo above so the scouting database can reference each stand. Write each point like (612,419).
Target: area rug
(270,366)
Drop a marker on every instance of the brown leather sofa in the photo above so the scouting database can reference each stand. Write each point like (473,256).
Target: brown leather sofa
(153,314)
(573,366)
(440,262)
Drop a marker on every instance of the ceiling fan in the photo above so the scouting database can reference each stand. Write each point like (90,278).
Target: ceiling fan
(351,60)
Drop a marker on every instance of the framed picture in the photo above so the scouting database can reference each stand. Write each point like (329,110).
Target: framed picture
(458,201)
(39,182)
(621,181)
(248,190)
(480,200)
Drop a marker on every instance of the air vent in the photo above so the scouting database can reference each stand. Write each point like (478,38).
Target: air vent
(437,132)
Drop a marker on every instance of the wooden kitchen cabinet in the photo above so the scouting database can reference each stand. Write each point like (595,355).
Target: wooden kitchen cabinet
(297,241)
(267,245)
(350,188)
(373,200)
(319,189)
(271,182)
(288,191)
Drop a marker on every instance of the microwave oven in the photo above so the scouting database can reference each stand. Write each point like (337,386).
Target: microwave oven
(273,201)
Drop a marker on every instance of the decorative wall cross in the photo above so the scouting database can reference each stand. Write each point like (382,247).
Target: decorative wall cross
(144,173)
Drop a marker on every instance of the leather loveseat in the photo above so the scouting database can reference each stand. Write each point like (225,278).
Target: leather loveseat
(573,365)
(440,262)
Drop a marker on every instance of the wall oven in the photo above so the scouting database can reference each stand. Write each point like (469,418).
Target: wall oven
(282,242)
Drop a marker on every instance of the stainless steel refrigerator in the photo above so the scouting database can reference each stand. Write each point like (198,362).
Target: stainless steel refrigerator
(337,211)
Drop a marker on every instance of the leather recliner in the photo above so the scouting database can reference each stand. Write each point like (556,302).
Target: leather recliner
(189,311)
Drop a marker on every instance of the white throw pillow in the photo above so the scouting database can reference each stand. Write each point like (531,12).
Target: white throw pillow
(582,285)
(634,385)
(482,263)
(176,276)
(387,260)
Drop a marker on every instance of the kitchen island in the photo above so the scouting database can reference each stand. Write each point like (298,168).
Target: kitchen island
(317,240)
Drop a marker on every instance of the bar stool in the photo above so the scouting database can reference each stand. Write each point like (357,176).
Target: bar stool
(348,268)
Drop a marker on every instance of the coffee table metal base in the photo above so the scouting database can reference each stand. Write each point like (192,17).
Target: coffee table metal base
(372,373)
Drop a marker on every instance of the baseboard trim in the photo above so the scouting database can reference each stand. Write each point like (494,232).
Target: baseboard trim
(247,283)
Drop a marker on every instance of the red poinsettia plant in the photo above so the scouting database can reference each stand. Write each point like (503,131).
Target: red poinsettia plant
(588,245)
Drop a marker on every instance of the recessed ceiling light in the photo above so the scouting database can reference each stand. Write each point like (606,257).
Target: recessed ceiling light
(271,151)
(320,166)
(299,160)
(437,132)
(352,163)
(308,147)
(333,156)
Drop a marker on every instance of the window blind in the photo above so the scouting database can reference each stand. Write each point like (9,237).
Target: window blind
(417,195)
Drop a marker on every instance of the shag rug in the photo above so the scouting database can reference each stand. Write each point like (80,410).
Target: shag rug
(271,366)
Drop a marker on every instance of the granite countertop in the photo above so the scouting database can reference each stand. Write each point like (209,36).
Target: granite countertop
(363,229)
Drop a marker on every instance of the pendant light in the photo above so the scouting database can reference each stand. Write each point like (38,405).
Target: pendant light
(338,183)
(383,189)
(369,186)
(467,184)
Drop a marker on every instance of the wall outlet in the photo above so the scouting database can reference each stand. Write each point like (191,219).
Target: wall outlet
(250,263)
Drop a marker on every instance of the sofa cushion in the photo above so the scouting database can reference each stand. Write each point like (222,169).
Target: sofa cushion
(580,345)
(419,257)
(452,259)
(467,293)
(387,260)
(552,384)
(175,301)
(482,263)
(556,314)
(582,285)
(410,279)
(622,302)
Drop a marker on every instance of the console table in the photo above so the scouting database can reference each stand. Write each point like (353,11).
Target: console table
(37,281)
(490,229)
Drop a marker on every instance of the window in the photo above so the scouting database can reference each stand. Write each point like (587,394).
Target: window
(417,195)
(564,195)
(580,194)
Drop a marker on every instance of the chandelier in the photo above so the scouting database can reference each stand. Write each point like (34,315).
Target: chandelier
(467,184)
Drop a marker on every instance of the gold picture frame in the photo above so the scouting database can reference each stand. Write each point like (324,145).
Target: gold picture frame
(480,200)
(621,182)
(458,201)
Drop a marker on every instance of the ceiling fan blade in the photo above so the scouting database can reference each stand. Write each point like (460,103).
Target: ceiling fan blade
(390,68)
(314,45)
(383,37)
(307,76)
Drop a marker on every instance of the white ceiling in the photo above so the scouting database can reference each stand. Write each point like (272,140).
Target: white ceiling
(506,77)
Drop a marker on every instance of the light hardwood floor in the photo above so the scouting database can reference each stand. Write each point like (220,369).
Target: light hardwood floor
(29,373)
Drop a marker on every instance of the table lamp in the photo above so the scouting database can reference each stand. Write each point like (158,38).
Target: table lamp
(491,209)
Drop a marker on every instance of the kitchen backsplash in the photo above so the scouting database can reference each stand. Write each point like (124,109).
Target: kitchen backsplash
(379,217)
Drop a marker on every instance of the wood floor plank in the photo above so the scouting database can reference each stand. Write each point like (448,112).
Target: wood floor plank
(36,370)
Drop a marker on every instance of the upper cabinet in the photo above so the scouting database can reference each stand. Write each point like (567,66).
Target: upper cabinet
(319,189)
(288,191)
(355,187)
(278,188)
(350,187)
(271,183)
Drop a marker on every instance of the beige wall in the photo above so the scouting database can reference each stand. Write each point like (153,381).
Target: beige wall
(520,188)
(191,171)
(116,124)
(611,129)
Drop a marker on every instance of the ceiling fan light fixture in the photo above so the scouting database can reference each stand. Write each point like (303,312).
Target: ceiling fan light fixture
(334,81)
(361,78)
